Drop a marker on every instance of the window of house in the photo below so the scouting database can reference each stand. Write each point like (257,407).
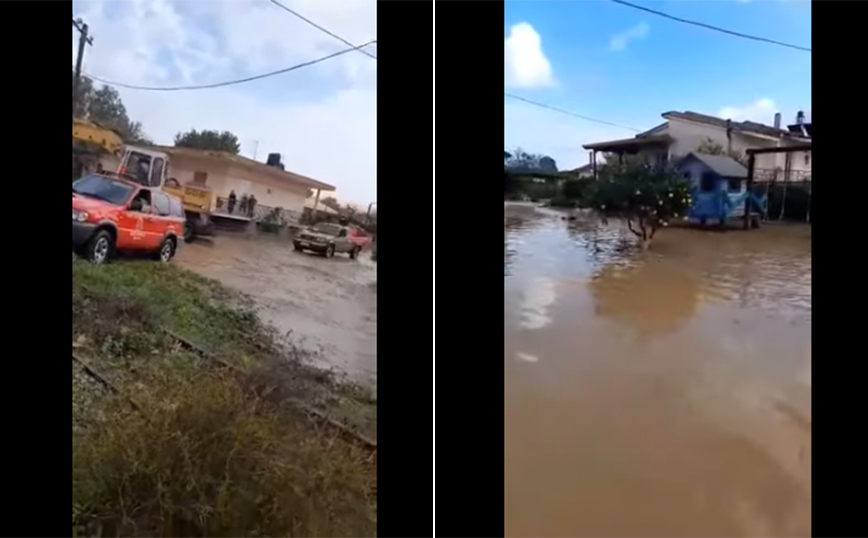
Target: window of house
(708,182)
(807,159)
(733,185)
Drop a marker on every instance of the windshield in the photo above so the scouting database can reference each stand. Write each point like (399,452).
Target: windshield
(327,229)
(102,188)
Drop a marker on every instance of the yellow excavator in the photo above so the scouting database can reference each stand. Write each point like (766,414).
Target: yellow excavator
(151,168)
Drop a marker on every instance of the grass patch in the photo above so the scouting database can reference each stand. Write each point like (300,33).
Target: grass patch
(206,452)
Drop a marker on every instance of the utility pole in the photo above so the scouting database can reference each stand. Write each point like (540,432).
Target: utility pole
(83,39)
(255,148)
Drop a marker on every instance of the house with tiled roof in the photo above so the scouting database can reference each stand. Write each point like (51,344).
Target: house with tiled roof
(685,132)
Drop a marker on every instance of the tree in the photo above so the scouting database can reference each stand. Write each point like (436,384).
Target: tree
(647,198)
(522,161)
(331,203)
(548,164)
(209,140)
(710,147)
(104,106)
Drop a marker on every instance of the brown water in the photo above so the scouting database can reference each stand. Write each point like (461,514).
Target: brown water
(326,306)
(665,393)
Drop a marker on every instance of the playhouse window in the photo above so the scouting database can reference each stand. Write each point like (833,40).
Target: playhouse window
(733,185)
(707,182)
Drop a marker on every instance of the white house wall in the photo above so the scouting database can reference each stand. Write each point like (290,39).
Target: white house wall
(268,190)
(688,135)
(223,179)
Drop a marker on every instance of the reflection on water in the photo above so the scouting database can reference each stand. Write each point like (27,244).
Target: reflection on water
(664,393)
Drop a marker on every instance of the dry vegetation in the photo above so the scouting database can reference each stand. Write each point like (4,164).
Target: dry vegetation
(186,448)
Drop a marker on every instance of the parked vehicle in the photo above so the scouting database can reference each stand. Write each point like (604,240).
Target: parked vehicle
(111,215)
(328,239)
(149,167)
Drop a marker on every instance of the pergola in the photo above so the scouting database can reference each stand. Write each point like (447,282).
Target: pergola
(628,146)
(751,165)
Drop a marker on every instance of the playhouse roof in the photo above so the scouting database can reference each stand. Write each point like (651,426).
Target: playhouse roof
(722,165)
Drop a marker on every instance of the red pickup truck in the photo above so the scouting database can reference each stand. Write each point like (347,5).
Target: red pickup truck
(112,215)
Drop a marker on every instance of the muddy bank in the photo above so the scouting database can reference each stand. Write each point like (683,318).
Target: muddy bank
(328,306)
(675,382)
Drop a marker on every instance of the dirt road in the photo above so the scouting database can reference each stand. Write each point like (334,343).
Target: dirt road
(328,306)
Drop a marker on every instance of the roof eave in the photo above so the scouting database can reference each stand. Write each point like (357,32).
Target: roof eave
(238,160)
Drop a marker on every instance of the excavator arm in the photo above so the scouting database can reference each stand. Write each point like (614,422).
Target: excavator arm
(85,131)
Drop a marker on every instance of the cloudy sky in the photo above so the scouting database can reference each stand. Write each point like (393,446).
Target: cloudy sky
(624,66)
(322,119)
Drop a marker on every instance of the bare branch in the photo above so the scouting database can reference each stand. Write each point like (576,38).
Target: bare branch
(630,226)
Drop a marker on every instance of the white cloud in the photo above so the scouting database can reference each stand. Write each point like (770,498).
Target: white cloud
(619,42)
(322,119)
(524,63)
(760,111)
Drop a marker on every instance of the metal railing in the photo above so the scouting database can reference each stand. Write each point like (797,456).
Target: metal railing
(777,175)
(259,213)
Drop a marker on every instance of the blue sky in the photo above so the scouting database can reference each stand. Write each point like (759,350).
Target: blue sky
(625,66)
(322,119)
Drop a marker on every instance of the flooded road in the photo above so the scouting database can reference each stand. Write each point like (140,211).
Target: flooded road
(328,306)
(665,393)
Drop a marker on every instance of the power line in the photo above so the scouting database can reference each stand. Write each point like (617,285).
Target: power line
(709,26)
(230,82)
(568,113)
(320,28)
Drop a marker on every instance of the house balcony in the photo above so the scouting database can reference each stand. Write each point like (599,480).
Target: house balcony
(655,148)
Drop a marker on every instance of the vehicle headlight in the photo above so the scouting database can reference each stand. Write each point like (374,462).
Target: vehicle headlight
(79,216)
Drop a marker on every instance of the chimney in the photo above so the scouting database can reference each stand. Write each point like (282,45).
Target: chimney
(777,120)
(800,117)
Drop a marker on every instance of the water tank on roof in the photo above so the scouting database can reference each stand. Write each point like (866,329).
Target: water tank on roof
(273,159)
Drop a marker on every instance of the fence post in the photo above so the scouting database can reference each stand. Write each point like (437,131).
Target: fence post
(751,169)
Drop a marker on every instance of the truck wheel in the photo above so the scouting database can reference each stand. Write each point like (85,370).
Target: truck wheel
(166,251)
(330,251)
(189,230)
(355,253)
(99,248)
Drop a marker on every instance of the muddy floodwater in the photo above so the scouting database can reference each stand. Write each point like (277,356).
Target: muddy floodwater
(327,306)
(665,393)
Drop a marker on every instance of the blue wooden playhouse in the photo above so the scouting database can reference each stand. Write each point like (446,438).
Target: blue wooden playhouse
(719,188)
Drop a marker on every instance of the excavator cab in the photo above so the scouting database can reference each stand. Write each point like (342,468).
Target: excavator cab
(145,167)
(151,168)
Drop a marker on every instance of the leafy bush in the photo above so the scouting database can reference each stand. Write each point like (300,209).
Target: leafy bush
(646,198)
(204,456)
(796,203)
